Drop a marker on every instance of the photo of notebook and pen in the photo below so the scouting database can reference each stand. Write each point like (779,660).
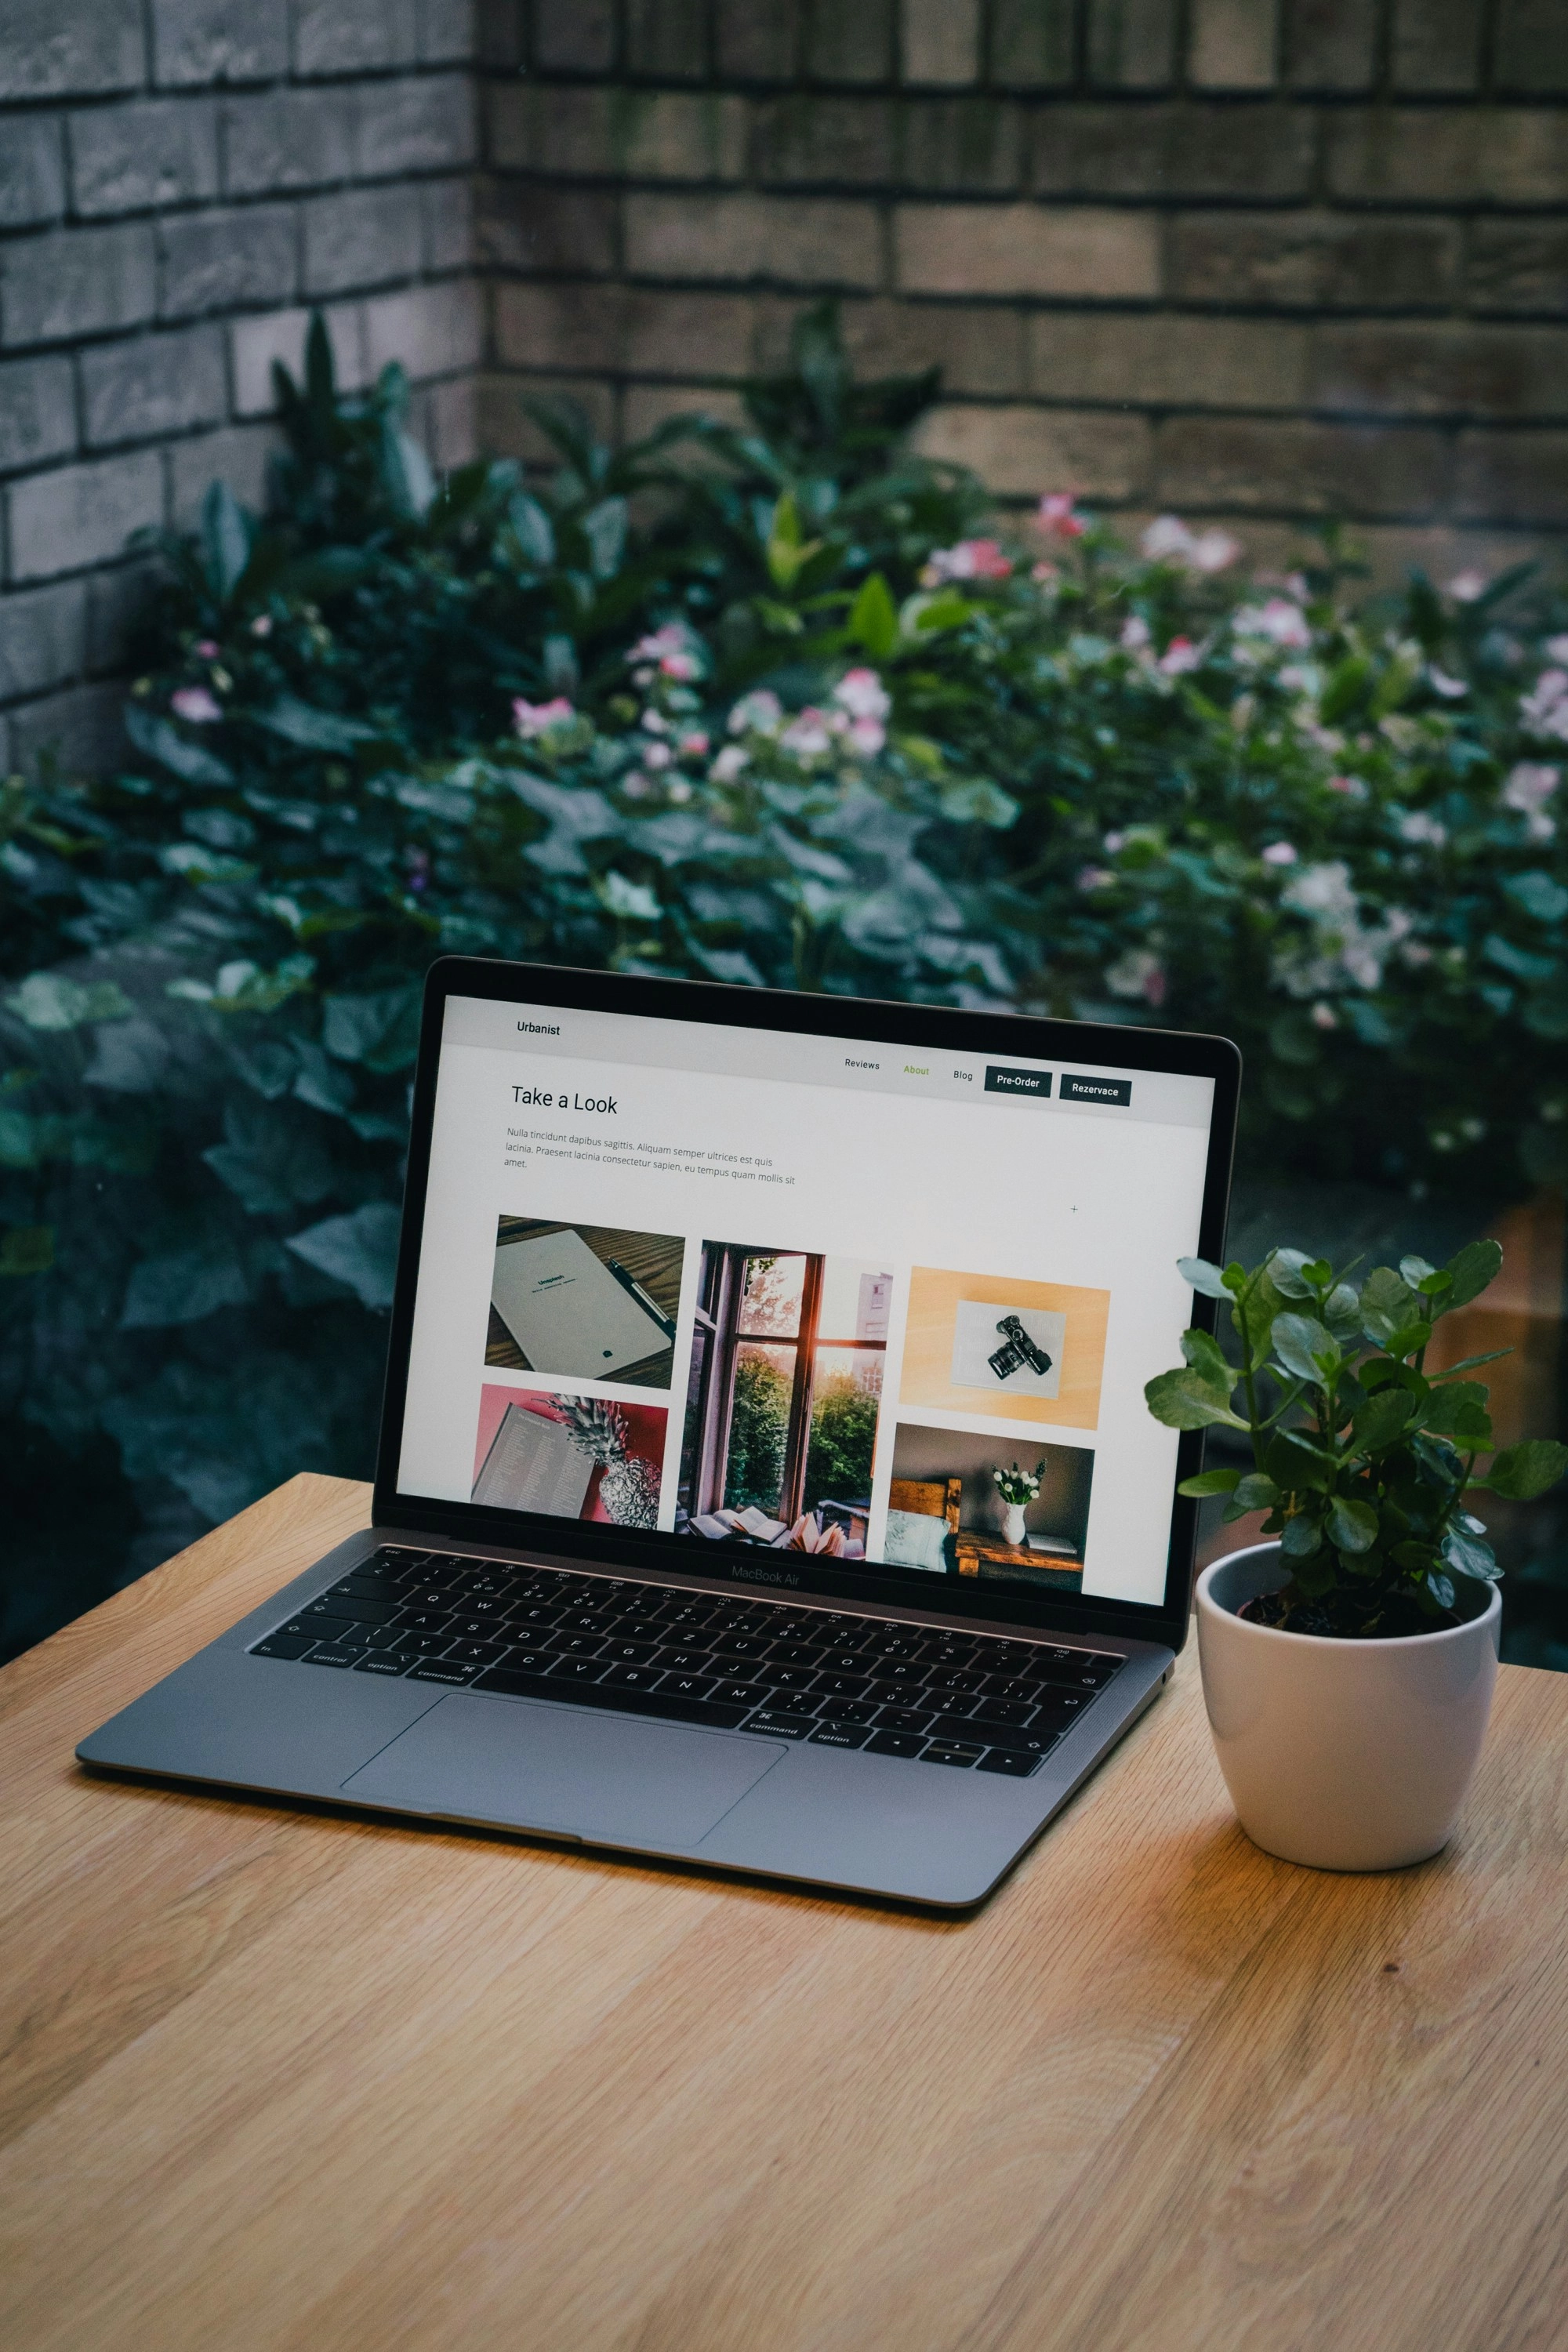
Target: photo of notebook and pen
(585,1302)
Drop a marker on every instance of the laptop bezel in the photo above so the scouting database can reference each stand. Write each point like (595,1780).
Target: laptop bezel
(710,1003)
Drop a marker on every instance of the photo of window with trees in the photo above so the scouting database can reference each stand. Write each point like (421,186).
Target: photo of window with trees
(787,1358)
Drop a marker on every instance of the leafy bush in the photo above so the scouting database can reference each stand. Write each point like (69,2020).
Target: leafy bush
(762,704)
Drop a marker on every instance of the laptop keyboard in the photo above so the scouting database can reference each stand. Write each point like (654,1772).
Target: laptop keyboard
(961,1699)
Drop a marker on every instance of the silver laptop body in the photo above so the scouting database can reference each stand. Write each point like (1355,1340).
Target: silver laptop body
(856,1572)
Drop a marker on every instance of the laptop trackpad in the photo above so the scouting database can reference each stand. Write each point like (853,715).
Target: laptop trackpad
(526,1765)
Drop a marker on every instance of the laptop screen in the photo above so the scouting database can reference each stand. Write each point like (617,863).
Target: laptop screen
(854,1304)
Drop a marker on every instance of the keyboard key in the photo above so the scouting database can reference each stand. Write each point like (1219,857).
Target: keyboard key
(528,1659)
(1037,1741)
(283,1645)
(314,1628)
(894,1743)
(955,1681)
(363,1586)
(327,1653)
(357,1612)
(902,1718)
(683,1661)
(847,1710)
(425,1621)
(943,1751)
(844,1687)
(690,1686)
(781,1727)
(1004,1710)
(632,1679)
(441,1670)
(1009,1759)
(423,1646)
(663,1703)
(631,1653)
(839,1735)
(802,1654)
(904,1671)
(747,1695)
(787,1677)
(476,1654)
(477,1629)
(382,1662)
(577,1670)
(950,1726)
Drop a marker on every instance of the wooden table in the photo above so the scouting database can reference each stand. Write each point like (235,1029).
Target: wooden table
(276,2079)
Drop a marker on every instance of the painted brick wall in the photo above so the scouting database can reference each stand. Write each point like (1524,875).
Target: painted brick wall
(1262,260)
(179,181)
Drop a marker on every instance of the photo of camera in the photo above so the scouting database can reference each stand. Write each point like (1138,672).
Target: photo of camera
(1017,1348)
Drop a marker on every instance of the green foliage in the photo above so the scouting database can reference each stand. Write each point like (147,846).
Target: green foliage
(759,1428)
(1362,1463)
(843,1438)
(756,703)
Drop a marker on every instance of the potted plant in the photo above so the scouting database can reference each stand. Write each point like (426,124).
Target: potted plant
(1018,1487)
(1348,1663)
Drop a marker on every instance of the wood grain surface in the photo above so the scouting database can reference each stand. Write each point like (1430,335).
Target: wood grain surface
(281,2079)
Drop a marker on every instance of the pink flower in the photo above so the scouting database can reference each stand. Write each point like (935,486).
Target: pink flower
(1278,619)
(757,713)
(1134,634)
(807,736)
(1556,649)
(670,649)
(1528,786)
(1094,878)
(1352,787)
(867,736)
(1545,712)
(196,704)
(693,746)
(534,718)
(1055,517)
(729,764)
(862,693)
(972,559)
(1168,540)
(1180,655)
(1281,852)
(657,755)
(262,626)
(1324,1017)
(1043,572)
(207,649)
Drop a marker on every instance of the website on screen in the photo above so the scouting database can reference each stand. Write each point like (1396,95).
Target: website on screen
(806,1295)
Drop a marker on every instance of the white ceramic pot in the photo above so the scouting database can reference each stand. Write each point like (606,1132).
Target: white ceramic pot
(1013,1523)
(1343,1755)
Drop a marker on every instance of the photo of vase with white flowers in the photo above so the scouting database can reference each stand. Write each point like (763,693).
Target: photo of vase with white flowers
(1018,1489)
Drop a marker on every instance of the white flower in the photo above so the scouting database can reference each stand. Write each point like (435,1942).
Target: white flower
(1094,878)
(807,736)
(1169,540)
(1528,786)
(862,693)
(1323,892)
(972,559)
(1421,826)
(655,722)
(1451,689)
(1466,587)
(637,787)
(196,706)
(1114,842)
(657,755)
(867,736)
(1134,634)
(1278,619)
(1138,973)
(758,713)
(1324,1017)
(1281,852)
(729,764)
(679,789)
(1557,649)
(1545,712)
(1179,655)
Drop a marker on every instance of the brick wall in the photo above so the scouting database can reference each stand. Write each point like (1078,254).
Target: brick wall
(1259,261)
(179,181)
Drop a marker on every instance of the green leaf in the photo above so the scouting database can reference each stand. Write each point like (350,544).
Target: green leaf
(874,618)
(1473,1267)
(1388,1304)
(1452,1410)
(27,1249)
(1287,1270)
(1471,1557)
(633,902)
(163,742)
(1440,1587)
(381,1030)
(1542,898)
(49,1000)
(1204,1354)
(1409,1339)
(270,1160)
(225,541)
(1521,1472)
(1415,1271)
(310,730)
(1256,1492)
(604,529)
(532,529)
(1306,1348)
(1210,1482)
(1470,1363)
(1352,1526)
(1301,1536)
(360,1251)
(1381,1420)
(1202,1275)
(1342,1313)
(1182,1399)
(184,1286)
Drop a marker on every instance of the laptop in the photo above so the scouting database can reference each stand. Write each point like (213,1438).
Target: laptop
(764,1481)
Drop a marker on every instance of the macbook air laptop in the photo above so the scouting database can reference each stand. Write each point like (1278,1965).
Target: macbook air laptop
(854,1580)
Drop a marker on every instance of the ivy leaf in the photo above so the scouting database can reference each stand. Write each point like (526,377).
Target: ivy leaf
(184,1286)
(381,1030)
(163,742)
(49,1000)
(310,730)
(360,1251)
(1352,1526)
(1183,1399)
(1306,1348)
(1521,1472)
